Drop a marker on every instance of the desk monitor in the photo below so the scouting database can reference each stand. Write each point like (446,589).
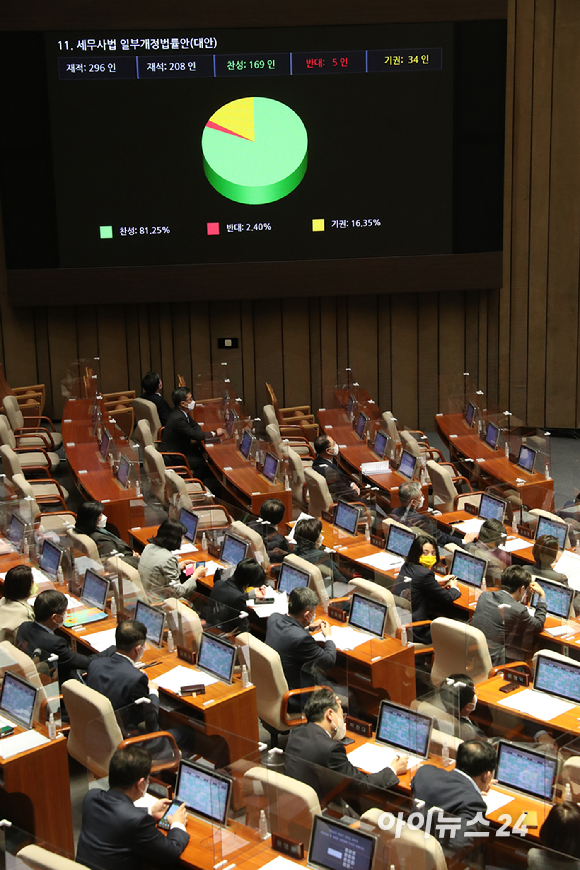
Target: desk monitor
(270,470)
(469,414)
(234,549)
(346,517)
(558,528)
(95,590)
(154,621)
(292,578)
(230,422)
(404,729)
(468,569)
(203,791)
(526,459)
(492,435)
(190,521)
(399,541)
(217,657)
(558,597)
(381,441)
(16,532)
(104,445)
(368,615)
(491,507)
(246,444)
(18,699)
(124,471)
(556,677)
(360,424)
(407,465)
(351,405)
(336,846)
(526,770)
(50,557)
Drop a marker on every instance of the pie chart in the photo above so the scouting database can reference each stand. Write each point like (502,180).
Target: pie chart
(255,150)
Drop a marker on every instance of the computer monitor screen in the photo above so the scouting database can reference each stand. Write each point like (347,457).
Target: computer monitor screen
(526,770)
(217,657)
(291,578)
(368,615)
(230,423)
(18,699)
(346,517)
(16,532)
(547,526)
(558,678)
(381,441)
(558,597)
(404,729)
(104,445)
(203,791)
(360,424)
(270,467)
(469,413)
(124,470)
(350,406)
(50,557)
(491,507)
(95,589)
(407,465)
(468,569)
(399,541)
(526,458)
(190,521)
(491,435)
(336,846)
(233,549)
(154,621)
(246,444)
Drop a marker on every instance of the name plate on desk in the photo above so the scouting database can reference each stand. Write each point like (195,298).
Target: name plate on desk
(337,613)
(213,550)
(376,541)
(186,655)
(327,517)
(471,509)
(288,846)
(515,678)
(524,532)
(358,726)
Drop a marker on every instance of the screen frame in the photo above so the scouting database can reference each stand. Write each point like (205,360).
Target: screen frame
(414,458)
(495,498)
(104,580)
(363,835)
(205,669)
(542,755)
(380,433)
(19,545)
(556,523)
(549,659)
(292,568)
(124,461)
(212,774)
(520,464)
(462,554)
(23,724)
(246,434)
(381,604)
(156,610)
(489,426)
(541,581)
(271,456)
(192,514)
(366,418)
(399,529)
(466,415)
(381,740)
(341,503)
(51,545)
(227,535)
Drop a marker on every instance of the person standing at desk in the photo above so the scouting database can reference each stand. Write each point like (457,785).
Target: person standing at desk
(19,585)
(151,386)
(117,835)
(183,435)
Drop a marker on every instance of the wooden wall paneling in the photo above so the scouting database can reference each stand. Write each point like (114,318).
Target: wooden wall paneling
(20,366)
(343,341)
(268,351)
(86,329)
(562,309)
(182,356)
(167,345)
(144,345)
(134,370)
(493,349)
(480,340)
(363,342)
(154,339)
(404,319)
(43,357)
(296,353)
(200,341)
(63,350)
(225,322)
(319,396)
(112,331)
(452,341)
(384,394)
(248,359)
(327,339)
(472,344)
(427,352)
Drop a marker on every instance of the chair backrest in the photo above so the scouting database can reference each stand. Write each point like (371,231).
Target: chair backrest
(155,470)
(390,423)
(316,582)
(143,434)
(184,623)
(407,846)
(6,434)
(146,410)
(10,461)
(444,491)
(13,412)
(268,677)
(213,516)
(270,418)
(379,593)
(24,489)
(292,805)
(319,498)
(94,731)
(458,648)
(85,544)
(273,401)
(24,666)
(273,433)
(176,493)
(540,512)
(125,571)
(256,540)
(297,476)
(410,443)
(42,859)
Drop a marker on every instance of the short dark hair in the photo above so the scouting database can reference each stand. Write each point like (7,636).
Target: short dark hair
(180,395)
(129,633)
(150,382)
(457,691)
(492,531)
(321,444)
(475,757)
(18,583)
(301,599)
(248,573)
(409,490)
(272,510)
(49,602)
(416,548)
(127,766)
(88,516)
(514,577)
(561,829)
(169,534)
(309,530)
(546,548)
(318,703)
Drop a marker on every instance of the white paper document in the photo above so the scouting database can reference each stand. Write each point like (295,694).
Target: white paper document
(538,704)
(383,467)
(346,637)
(513,544)
(280,604)
(494,800)
(569,564)
(186,547)
(101,640)
(469,526)
(210,568)
(280,863)
(383,561)
(177,677)
(561,630)
(21,743)
(71,602)
(372,757)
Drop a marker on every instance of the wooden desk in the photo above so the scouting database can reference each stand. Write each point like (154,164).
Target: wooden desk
(201,852)
(488,693)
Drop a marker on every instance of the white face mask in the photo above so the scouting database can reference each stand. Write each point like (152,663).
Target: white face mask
(420,503)
(333,450)
(320,541)
(191,406)
(340,726)
(102,522)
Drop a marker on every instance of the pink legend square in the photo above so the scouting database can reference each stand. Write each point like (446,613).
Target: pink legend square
(213,229)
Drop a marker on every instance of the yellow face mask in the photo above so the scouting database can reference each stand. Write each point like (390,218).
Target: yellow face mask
(34,589)
(428,561)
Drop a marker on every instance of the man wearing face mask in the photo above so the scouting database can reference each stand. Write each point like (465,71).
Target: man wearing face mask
(412,500)
(183,435)
(340,485)
(316,756)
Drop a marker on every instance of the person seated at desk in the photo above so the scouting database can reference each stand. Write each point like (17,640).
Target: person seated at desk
(459,792)
(429,596)
(183,435)
(561,834)
(412,500)
(160,571)
(546,553)
(316,748)
(49,614)
(486,546)
(247,581)
(310,546)
(339,483)
(505,620)
(271,513)
(151,386)
(117,835)
(19,586)
(92,521)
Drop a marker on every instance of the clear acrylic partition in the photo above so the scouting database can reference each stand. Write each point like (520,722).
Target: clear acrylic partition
(221,382)
(81,379)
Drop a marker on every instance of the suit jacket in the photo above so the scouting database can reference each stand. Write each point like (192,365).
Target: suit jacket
(163,408)
(181,434)
(339,483)
(117,678)
(456,794)
(428,598)
(318,556)
(117,835)
(314,758)
(160,572)
(545,859)
(272,538)
(107,543)
(299,652)
(496,563)
(31,636)
(414,519)
(226,600)
(12,615)
(510,629)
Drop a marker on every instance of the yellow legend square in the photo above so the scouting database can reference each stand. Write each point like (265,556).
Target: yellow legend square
(318,225)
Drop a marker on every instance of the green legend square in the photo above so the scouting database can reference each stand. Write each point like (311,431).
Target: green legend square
(106,232)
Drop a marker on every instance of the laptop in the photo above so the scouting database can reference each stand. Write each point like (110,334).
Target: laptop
(368,615)
(18,699)
(153,618)
(234,549)
(104,445)
(94,597)
(399,541)
(556,677)
(50,558)
(491,507)
(346,517)
(246,444)
(380,445)
(190,521)
(270,469)
(204,792)
(292,578)
(336,846)
(407,465)
(557,528)
(468,569)
(16,532)
(526,458)
(217,657)
(526,770)
(360,424)
(492,435)
(469,414)
(558,597)
(404,731)
(124,471)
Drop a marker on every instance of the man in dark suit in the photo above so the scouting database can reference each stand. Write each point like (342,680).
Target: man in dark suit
(184,435)
(340,485)
(151,386)
(117,835)
(412,499)
(271,513)
(316,756)
(49,614)
(458,792)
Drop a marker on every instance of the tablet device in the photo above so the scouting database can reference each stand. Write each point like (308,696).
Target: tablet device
(124,471)
(381,441)
(204,792)
(555,677)
(336,846)
(95,590)
(526,458)
(50,557)
(557,528)
(217,657)
(346,517)
(399,541)
(404,729)
(234,549)
(491,507)
(270,470)
(468,569)
(104,445)
(292,578)
(18,699)
(360,424)
(407,465)
(190,521)
(492,435)
(368,614)
(16,532)
(350,406)
(469,414)
(246,444)
(526,770)
(154,621)
(558,597)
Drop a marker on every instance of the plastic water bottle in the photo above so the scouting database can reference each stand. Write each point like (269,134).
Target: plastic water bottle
(114,607)
(367,533)
(325,601)
(445,755)
(170,642)
(404,639)
(483,586)
(51,726)
(245,679)
(204,542)
(59,576)
(263,826)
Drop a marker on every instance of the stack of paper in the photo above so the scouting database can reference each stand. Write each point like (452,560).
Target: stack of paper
(177,677)
(382,467)
(569,564)
(21,743)
(469,526)
(345,637)
(513,544)
(383,561)
(280,604)
(494,800)
(102,640)
(537,704)
(372,757)
(186,547)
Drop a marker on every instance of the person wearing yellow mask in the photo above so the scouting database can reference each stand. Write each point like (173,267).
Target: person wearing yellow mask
(429,596)
(19,586)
